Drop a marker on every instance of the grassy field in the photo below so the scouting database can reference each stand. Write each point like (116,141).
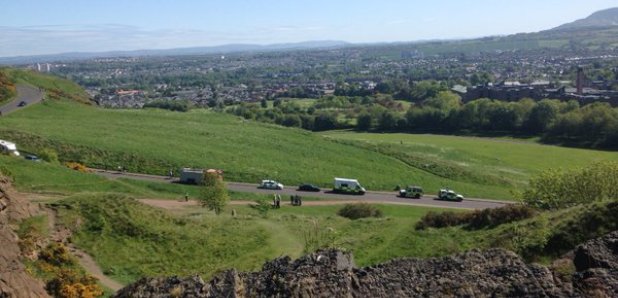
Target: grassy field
(502,163)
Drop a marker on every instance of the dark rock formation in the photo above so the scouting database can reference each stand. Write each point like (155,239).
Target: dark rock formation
(14,280)
(597,264)
(598,253)
(331,273)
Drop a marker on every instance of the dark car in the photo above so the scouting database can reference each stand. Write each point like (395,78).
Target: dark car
(22,103)
(308,187)
(32,157)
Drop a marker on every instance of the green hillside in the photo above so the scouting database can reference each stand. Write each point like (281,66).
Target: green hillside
(153,141)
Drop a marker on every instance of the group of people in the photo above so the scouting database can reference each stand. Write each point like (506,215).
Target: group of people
(295,200)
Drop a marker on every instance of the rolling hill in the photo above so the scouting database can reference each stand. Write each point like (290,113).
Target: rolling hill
(153,141)
(602,18)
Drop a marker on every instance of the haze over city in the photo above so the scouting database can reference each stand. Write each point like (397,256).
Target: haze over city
(46,27)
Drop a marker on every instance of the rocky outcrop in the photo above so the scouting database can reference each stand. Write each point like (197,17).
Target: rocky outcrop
(596,262)
(331,273)
(14,280)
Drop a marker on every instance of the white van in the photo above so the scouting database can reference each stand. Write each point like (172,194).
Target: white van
(8,148)
(350,186)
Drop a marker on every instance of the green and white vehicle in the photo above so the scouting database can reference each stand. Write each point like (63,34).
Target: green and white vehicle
(348,186)
(411,191)
(449,195)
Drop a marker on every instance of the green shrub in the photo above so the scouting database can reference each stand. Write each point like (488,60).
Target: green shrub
(556,189)
(172,105)
(70,283)
(56,254)
(362,210)
(49,155)
(441,220)
(489,218)
(477,219)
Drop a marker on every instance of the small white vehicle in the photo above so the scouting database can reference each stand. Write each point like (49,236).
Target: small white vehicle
(270,184)
(8,148)
(348,186)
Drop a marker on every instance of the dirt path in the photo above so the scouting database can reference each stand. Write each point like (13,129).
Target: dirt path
(179,205)
(85,260)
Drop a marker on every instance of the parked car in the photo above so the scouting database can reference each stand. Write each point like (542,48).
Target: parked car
(22,104)
(411,191)
(449,195)
(32,157)
(270,184)
(308,187)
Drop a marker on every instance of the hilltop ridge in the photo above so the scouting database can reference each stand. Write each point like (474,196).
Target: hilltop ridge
(602,18)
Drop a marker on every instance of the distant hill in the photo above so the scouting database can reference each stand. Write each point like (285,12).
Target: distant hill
(229,48)
(602,18)
(598,31)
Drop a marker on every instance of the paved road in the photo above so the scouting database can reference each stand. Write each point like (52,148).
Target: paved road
(370,196)
(25,93)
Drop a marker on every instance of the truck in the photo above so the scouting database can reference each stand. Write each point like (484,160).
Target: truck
(196,176)
(411,191)
(348,186)
(449,195)
(8,148)
(191,176)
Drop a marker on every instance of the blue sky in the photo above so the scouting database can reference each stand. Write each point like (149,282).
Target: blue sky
(31,27)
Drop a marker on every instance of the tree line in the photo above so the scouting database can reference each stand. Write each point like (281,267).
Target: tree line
(593,125)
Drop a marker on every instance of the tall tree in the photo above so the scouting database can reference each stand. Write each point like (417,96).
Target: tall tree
(214,194)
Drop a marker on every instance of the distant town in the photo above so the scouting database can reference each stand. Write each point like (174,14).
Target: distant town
(211,80)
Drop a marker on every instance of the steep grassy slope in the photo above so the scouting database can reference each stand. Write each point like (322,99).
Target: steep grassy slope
(153,141)
(55,88)
(7,86)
